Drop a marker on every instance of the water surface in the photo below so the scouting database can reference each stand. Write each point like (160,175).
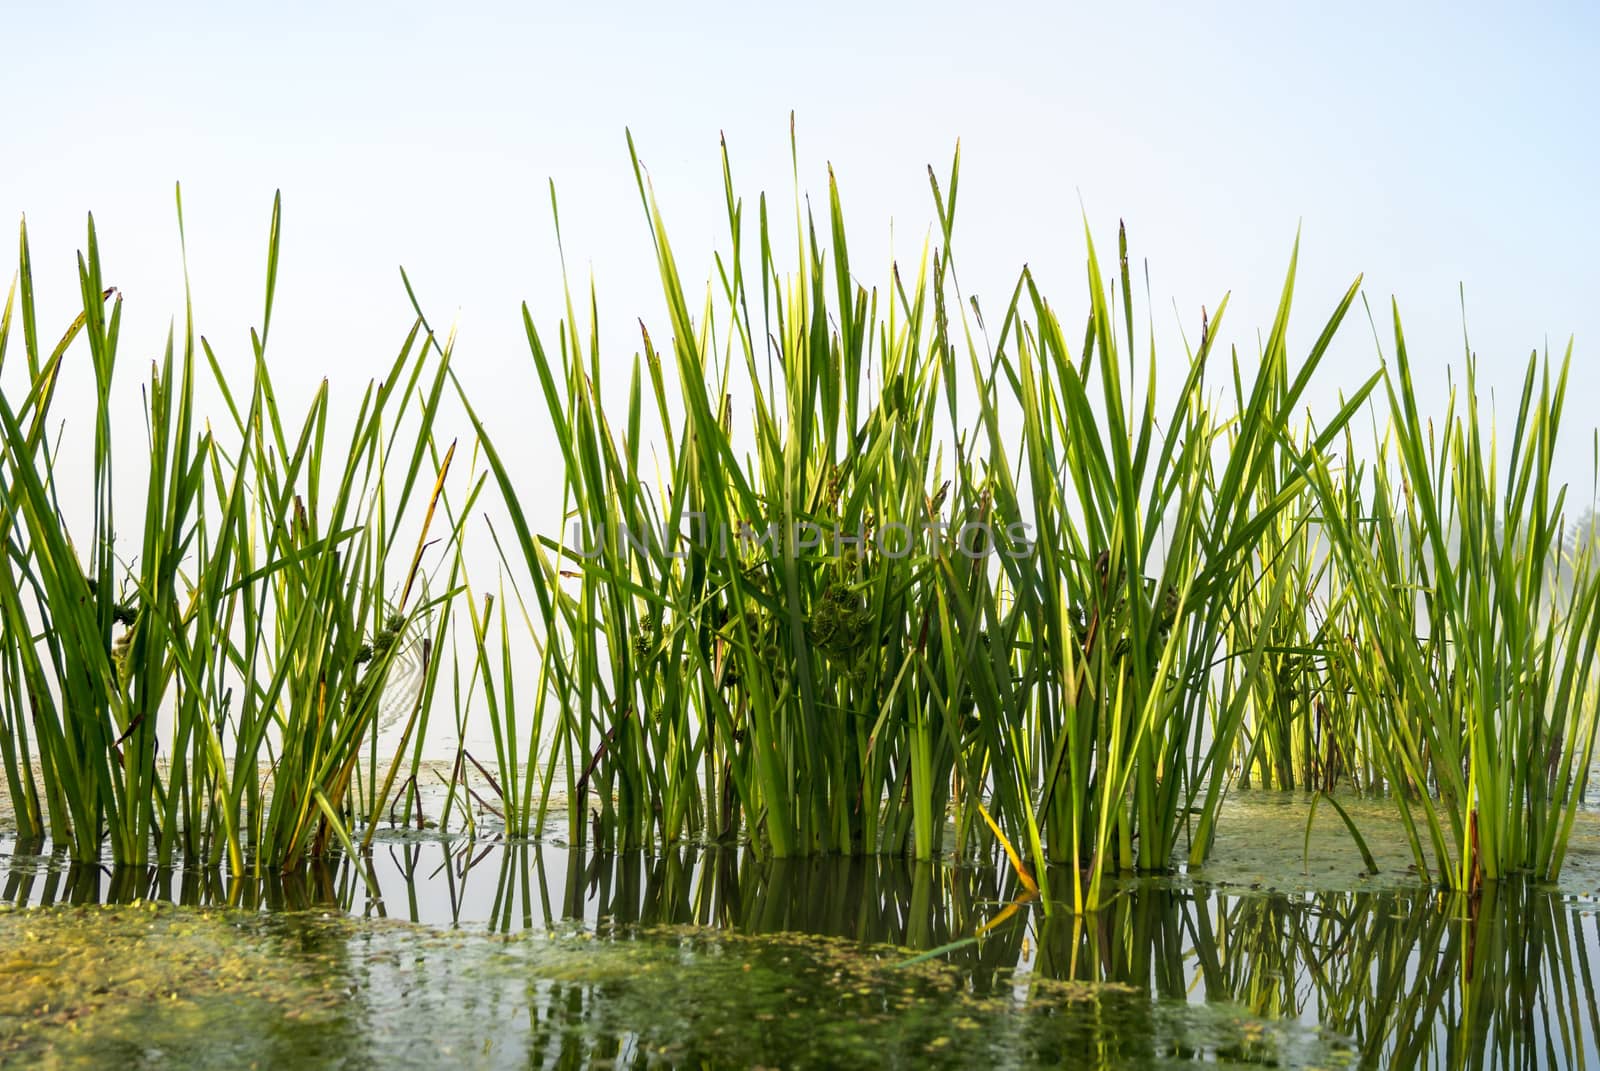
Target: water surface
(477,953)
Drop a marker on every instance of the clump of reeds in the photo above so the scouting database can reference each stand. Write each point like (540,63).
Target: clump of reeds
(256,610)
(1479,621)
(911,577)
(872,607)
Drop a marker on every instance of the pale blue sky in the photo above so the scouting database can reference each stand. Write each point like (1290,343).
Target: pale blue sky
(1428,146)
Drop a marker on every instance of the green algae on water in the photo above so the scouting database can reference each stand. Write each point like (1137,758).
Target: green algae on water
(146,985)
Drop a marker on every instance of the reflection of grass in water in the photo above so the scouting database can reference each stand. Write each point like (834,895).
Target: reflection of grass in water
(1407,975)
(135,983)
(672,967)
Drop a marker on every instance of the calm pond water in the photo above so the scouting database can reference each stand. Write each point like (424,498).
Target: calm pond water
(483,954)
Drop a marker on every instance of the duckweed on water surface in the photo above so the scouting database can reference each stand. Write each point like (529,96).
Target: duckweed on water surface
(1283,951)
(145,979)
(147,985)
